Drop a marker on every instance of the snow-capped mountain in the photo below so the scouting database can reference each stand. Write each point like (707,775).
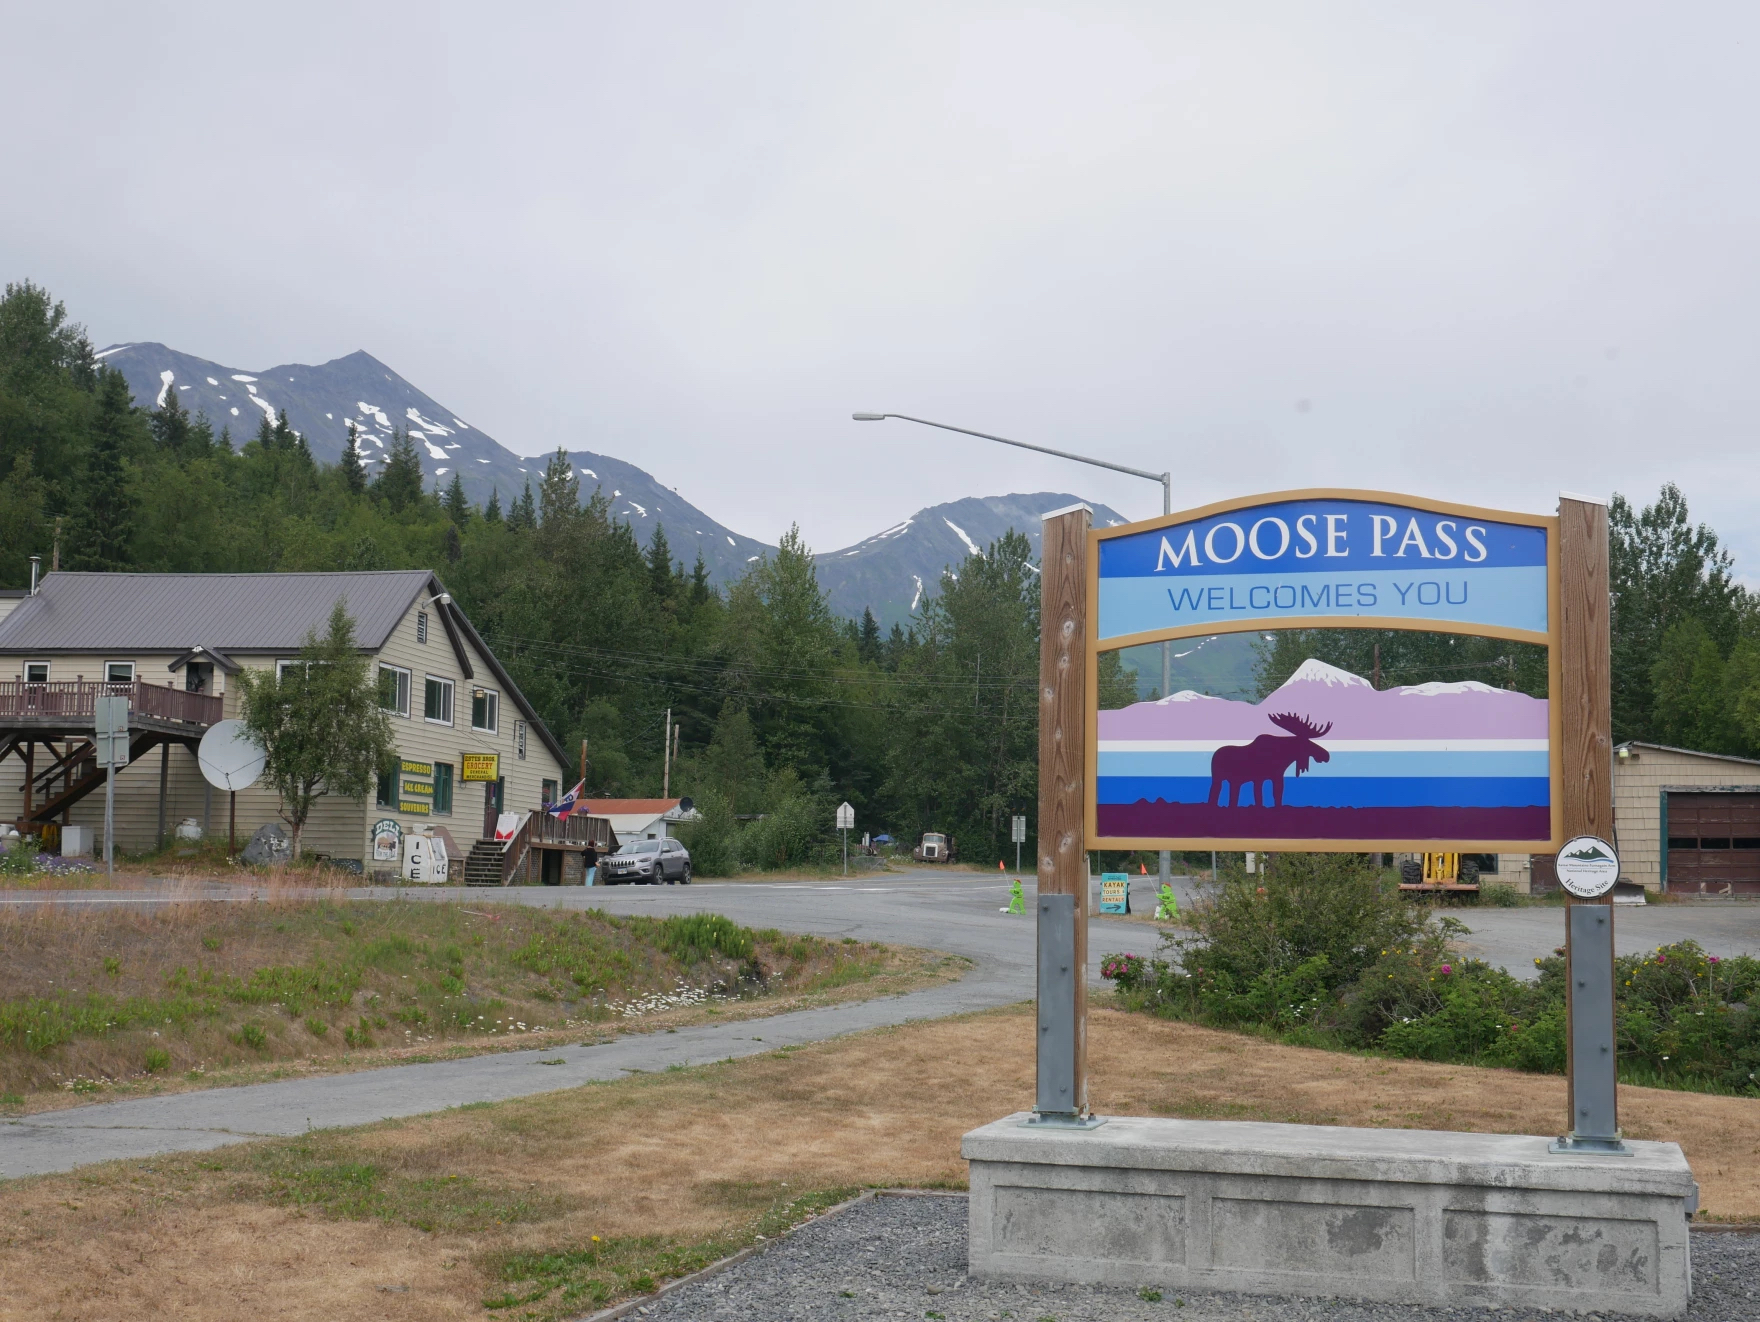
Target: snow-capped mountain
(893,571)
(322,400)
(890,573)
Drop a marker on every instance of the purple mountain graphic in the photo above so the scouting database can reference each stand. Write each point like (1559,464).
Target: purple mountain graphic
(1322,693)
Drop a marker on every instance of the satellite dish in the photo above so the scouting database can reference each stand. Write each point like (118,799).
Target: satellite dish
(685,805)
(229,760)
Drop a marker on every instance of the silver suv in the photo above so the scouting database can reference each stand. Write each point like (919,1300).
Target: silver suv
(647,863)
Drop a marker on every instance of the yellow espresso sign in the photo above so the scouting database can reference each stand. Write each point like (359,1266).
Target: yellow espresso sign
(480,766)
(419,768)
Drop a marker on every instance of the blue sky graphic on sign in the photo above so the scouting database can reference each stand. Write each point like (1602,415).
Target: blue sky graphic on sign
(1311,559)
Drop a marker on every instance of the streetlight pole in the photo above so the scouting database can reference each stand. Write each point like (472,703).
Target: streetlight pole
(1165,479)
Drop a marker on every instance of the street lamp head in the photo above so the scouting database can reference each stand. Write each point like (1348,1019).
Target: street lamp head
(869,417)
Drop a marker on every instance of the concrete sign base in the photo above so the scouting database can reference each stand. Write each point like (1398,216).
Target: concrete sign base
(1400,1215)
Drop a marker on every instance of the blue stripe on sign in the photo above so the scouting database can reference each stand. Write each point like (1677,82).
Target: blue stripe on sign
(1510,598)
(1438,764)
(1330,536)
(1348,792)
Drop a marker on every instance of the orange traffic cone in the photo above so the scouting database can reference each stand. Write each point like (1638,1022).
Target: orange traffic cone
(999,866)
(1143,868)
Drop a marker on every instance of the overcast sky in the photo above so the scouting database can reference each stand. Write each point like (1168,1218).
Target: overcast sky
(1481,251)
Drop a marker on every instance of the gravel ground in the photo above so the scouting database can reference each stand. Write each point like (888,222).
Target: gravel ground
(906,1258)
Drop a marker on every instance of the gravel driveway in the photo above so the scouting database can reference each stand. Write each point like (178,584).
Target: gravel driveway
(906,1258)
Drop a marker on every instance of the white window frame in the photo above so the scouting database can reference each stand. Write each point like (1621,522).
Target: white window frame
(131,672)
(405,692)
(451,691)
(47,671)
(492,701)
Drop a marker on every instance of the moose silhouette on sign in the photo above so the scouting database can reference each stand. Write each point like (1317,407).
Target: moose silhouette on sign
(1264,761)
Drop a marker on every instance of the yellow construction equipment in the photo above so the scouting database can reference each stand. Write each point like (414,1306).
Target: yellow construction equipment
(1439,872)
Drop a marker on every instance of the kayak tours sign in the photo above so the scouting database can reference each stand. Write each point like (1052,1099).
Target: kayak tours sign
(1327,761)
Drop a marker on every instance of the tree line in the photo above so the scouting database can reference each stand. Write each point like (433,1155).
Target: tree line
(784,709)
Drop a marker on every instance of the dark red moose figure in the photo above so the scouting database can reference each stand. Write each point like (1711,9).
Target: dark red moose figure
(1264,761)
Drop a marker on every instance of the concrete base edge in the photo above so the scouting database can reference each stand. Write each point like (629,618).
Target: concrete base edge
(1398,1216)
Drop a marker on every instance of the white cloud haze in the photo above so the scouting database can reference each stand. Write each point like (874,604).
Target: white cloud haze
(1479,251)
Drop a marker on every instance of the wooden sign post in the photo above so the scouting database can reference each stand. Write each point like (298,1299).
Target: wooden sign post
(1586,750)
(1062,1090)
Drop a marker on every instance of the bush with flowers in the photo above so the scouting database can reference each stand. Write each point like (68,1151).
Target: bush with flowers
(1317,950)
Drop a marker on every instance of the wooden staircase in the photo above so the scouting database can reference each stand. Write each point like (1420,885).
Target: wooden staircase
(482,866)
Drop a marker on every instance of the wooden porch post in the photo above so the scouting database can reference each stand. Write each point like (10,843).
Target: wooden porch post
(164,784)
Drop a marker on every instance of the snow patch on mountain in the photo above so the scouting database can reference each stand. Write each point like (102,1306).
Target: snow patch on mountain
(166,377)
(961,534)
(1312,671)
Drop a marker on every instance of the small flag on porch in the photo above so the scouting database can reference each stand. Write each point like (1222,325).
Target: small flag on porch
(568,803)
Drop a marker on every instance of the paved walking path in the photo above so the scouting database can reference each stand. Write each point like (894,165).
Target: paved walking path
(959,916)
(951,912)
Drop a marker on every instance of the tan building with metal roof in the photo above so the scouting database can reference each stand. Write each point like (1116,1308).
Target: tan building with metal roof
(173,643)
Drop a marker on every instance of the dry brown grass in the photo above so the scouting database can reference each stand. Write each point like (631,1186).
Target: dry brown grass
(694,1155)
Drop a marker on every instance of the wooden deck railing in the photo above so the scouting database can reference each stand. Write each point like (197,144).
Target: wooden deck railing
(75,700)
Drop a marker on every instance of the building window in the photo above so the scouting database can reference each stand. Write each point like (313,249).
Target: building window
(198,677)
(421,626)
(519,740)
(549,795)
(119,672)
(442,788)
(394,689)
(386,797)
(437,700)
(36,672)
(485,710)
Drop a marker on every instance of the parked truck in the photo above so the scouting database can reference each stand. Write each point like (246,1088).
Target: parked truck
(934,848)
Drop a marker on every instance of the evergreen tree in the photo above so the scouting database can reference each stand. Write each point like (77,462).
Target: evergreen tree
(107,509)
(1664,570)
(523,516)
(492,511)
(170,425)
(455,503)
(559,491)
(292,443)
(399,484)
(699,580)
(354,472)
(660,574)
(868,640)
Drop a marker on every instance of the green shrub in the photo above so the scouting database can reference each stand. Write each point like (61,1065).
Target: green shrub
(317,1027)
(692,938)
(714,841)
(19,859)
(1500,897)
(252,1035)
(156,1059)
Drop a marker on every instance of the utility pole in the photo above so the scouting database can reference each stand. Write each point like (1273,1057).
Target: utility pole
(666,757)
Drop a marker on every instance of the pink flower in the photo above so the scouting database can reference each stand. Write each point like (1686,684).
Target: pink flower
(1447,969)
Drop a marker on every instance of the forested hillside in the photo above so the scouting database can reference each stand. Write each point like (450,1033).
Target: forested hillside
(785,708)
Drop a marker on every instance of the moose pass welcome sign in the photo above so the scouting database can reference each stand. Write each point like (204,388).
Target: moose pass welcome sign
(1327,761)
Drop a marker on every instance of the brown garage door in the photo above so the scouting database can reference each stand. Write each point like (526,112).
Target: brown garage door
(1714,843)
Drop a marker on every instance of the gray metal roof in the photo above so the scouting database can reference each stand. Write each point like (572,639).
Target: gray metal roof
(233,612)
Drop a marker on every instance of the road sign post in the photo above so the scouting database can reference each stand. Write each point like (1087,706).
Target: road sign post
(110,727)
(1018,834)
(846,818)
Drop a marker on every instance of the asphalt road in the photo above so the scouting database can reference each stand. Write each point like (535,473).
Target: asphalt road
(956,912)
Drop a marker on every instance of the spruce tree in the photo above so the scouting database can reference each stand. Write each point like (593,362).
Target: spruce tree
(107,508)
(290,442)
(354,473)
(868,641)
(523,516)
(492,511)
(457,506)
(170,425)
(559,491)
(399,483)
(660,579)
(699,580)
